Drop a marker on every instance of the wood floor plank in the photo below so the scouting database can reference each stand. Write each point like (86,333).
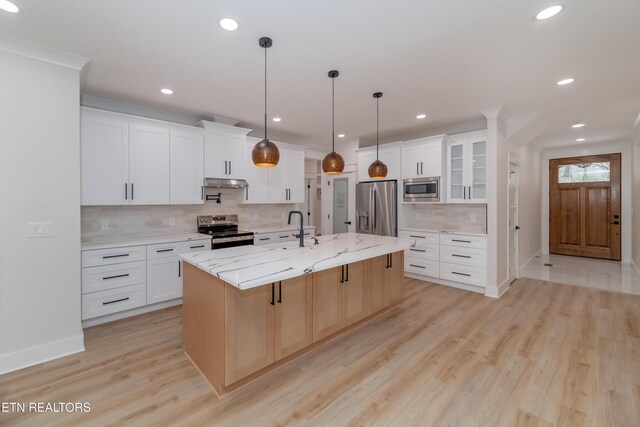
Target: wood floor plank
(544,354)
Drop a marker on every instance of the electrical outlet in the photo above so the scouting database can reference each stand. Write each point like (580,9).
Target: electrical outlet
(473,218)
(105,224)
(172,221)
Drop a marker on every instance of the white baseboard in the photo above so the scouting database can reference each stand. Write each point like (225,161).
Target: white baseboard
(42,353)
(528,261)
(463,286)
(499,291)
(128,313)
(635,267)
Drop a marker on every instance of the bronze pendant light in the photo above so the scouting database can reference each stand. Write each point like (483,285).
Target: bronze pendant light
(265,153)
(333,163)
(377,169)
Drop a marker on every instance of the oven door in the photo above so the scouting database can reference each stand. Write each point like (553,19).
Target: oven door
(232,241)
(422,190)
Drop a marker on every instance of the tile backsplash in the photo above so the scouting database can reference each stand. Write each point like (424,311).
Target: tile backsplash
(464,218)
(131,222)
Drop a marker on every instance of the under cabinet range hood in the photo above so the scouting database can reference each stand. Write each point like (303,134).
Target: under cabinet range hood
(225,183)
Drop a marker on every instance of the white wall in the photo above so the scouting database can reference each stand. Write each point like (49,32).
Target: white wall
(635,189)
(529,203)
(623,147)
(40,182)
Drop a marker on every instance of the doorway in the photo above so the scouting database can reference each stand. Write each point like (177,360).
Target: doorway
(514,178)
(340,205)
(585,206)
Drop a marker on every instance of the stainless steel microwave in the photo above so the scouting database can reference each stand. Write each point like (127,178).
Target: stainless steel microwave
(422,189)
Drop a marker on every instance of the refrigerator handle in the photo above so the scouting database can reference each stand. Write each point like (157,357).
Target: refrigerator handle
(371,209)
(375,211)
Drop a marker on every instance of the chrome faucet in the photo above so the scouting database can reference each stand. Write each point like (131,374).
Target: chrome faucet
(301,226)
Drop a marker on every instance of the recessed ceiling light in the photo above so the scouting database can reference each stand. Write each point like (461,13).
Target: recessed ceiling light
(341,135)
(577,125)
(566,81)
(277,119)
(228,24)
(166,91)
(581,139)
(549,12)
(421,116)
(7,6)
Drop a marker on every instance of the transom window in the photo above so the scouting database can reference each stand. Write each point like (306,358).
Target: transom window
(584,172)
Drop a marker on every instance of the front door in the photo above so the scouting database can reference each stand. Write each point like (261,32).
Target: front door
(584,204)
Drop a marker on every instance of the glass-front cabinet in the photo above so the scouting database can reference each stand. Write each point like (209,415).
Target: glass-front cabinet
(466,168)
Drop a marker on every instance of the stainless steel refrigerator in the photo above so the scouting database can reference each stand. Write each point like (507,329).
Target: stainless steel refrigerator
(377,208)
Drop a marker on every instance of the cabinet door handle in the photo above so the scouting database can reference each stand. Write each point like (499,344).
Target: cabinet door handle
(417,237)
(418,266)
(246,193)
(132,191)
(229,167)
(417,168)
(280,292)
(461,241)
(114,256)
(265,238)
(273,294)
(114,301)
(126,191)
(460,256)
(390,260)
(470,193)
(342,274)
(465,192)
(202,192)
(421,170)
(284,237)
(347,279)
(225,167)
(417,250)
(196,247)
(460,274)
(164,250)
(115,277)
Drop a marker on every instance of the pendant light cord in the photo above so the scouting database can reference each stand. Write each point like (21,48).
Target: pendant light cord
(377,126)
(265,93)
(333,114)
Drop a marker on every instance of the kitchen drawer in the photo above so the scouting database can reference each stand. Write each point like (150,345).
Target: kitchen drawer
(195,246)
(463,274)
(113,256)
(101,303)
(429,251)
(308,232)
(421,266)
(267,238)
(422,238)
(163,250)
(113,276)
(464,241)
(465,256)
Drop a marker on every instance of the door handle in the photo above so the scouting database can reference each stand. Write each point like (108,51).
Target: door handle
(246,193)
(517,227)
(348,222)
(616,223)
(390,260)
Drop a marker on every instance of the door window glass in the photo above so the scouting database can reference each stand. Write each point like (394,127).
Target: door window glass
(584,172)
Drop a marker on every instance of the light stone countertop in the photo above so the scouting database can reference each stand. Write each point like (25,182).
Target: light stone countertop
(429,230)
(247,267)
(145,241)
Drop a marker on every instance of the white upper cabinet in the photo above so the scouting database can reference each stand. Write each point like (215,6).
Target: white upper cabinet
(148,164)
(186,163)
(223,150)
(132,160)
(423,158)
(104,143)
(389,155)
(283,183)
(466,168)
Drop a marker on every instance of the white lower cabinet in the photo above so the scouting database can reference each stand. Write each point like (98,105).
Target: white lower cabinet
(453,258)
(123,278)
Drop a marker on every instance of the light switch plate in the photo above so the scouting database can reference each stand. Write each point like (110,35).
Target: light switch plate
(39,229)
(172,221)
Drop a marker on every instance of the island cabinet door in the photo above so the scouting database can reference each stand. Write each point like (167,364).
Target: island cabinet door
(374,277)
(328,315)
(249,331)
(293,315)
(394,278)
(354,293)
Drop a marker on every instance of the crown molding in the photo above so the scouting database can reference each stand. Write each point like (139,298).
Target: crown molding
(41,53)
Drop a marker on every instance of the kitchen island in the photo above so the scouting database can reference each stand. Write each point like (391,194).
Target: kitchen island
(248,309)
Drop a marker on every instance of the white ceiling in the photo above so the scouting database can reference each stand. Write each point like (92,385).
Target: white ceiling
(449,59)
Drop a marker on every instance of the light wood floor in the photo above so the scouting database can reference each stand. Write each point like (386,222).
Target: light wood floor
(545,354)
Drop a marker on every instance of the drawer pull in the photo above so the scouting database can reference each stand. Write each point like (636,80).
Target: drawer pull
(460,274)
(461,241)
(460,256)
(284,237)
(115,277)
(114,256)
(265,238)
(114,301)
(418,250)
(419,266)
(306,234)
(417,237)
(196,247)
(164,250)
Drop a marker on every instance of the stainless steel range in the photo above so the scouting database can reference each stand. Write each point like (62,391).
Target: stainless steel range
(223,230)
